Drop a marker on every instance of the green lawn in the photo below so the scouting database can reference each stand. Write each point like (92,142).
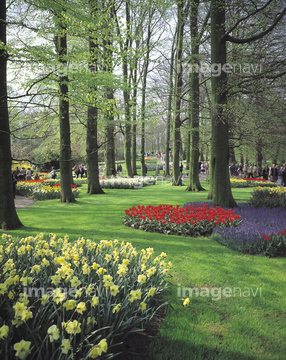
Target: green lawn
(236,327)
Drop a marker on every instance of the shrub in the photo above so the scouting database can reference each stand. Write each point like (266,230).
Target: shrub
(74,301)
(189,220)
(268,197)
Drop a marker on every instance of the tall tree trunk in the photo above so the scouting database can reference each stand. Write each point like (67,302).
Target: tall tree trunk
(143,103)
(221,190)
(109,135)
(259,156)
(134,113)
(232,158)
(194,97)
(177,181)
(109,111)
(65,142)
(8,216)
(93,184)
(169,111)
(126,96)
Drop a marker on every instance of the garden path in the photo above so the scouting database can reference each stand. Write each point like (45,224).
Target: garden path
(23,201)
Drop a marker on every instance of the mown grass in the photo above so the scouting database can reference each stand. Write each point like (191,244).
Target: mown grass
(237,327)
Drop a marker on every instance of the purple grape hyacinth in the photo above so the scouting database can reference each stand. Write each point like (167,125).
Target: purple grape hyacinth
(246,237)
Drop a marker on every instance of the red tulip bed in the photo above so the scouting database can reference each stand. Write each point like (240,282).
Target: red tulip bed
(189,221)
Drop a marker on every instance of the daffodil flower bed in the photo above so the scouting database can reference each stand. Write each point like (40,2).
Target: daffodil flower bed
(241,183)
(188,220)
(62,300)
(42,189)
(268,197)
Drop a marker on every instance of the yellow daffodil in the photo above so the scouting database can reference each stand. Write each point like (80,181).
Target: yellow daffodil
(89,289)
(114,290)
(59,296)
(81,307)
(116,308)
(26,280)
(44,299)
(22,348)
(151,271)
(98,349)
(66,345)
(94,301)
(45,262)
(75,282)
(69,304)
(72,327)
(101,271)
(141,279)
(151,292)
(125,262)
(4,331)
(54,333)
(86,269)
(107,257)
(186,302)
(134,295)
(122,269)
(3,288)
(107,278)
(89,320)
(142,306)
(56,279)
(78,293)
(95,266)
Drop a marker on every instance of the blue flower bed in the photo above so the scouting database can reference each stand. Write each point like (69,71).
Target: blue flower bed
(246,237)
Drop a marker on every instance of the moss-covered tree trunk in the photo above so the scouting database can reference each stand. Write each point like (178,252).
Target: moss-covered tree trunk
(8,216)
(65,142)
(194,109)
(220,192)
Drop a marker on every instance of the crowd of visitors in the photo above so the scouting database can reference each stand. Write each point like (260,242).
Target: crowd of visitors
(23,173)
(274,173)
(80,171)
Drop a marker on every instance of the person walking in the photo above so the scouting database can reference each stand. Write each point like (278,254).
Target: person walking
(255,172)
(29,174)
(181,169)
(273,173)
(283,172)
(53,173)
(265,172)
